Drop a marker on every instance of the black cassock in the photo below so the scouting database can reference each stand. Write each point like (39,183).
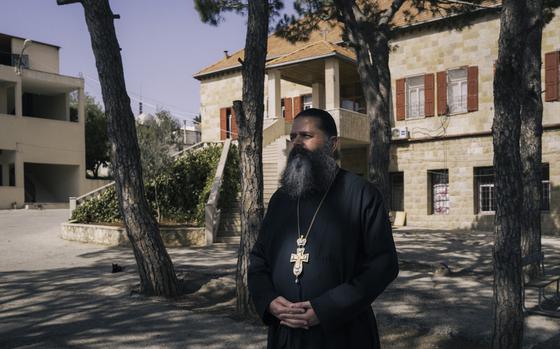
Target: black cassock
(352,259)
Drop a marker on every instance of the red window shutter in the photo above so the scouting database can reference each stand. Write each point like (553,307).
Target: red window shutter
(551,66)
(400,99)
(429,95)
(223,123)
(289,113)
(298,105)
(442,92)
(233,125)
(472,88)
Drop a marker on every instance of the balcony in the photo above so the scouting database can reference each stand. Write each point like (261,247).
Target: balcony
(11,59)
(353,127)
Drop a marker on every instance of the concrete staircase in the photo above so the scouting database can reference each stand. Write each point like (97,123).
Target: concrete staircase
(274,160)
(230,224)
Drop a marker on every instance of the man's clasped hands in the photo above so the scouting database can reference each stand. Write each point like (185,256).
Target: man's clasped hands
(294,315)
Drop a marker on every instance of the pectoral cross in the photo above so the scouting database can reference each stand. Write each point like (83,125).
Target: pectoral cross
(299,257)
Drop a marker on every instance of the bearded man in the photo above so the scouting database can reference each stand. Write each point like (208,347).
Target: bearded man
(325,250)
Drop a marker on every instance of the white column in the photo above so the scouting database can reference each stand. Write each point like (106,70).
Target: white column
(274,94)
(318,93)
(332,84)
(81,105)
(18,160)
(18,96)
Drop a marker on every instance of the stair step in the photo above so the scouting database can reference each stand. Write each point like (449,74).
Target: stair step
(228,239)
(236,232)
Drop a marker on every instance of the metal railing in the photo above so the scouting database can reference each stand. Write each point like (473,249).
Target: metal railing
(458,104)
(12,59)
(415,111)
(76,201)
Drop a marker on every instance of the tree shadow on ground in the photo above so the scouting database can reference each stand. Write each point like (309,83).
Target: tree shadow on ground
(90,307)
(456,305)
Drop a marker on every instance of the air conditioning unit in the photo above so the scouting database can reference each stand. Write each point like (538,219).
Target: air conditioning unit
(399,133)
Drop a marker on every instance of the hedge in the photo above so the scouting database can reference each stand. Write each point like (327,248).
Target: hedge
(179,193)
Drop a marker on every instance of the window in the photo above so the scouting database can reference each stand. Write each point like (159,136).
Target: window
(415,97)
(439,191)
(353,103)
(457,89)
(307,101)
(228,123)
(545,180)
(397,191)
(485,191)
(283,106)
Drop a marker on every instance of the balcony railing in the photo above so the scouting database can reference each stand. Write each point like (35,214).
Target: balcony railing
(415,111)
(458,104)
(11,59)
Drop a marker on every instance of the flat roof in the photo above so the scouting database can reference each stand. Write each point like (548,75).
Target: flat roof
(35,41)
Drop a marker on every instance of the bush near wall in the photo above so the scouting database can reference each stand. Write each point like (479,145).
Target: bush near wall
(179,194)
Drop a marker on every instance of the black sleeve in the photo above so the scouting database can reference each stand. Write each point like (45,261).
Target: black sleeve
(259,276)
(342,303)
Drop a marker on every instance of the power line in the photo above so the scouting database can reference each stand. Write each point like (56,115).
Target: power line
(174,110)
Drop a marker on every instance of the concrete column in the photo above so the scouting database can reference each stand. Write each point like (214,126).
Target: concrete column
(332,84)
(20,182)
(274,94)
(318,95)
(81,105)
(18,96)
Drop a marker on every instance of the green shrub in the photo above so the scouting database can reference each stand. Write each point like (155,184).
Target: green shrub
(179,193)
(101,209)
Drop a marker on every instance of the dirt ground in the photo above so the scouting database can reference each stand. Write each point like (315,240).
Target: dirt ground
(61,294)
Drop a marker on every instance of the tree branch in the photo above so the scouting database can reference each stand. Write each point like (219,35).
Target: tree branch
(468,3)
(66,2)
(388,15)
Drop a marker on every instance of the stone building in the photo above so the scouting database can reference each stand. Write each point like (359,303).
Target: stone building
(42,140)
(442,83)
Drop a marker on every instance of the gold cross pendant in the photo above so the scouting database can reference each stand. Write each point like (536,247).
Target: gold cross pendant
(298,258)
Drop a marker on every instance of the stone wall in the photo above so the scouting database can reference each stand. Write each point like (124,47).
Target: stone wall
(460,157)
(116,236)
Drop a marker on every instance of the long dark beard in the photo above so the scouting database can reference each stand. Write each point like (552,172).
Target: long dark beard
(308,172)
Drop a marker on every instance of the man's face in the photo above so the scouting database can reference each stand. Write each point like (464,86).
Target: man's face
(306,134)
(311,166)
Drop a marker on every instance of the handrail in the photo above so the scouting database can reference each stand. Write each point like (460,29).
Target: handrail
(211,211)
(273,131)
(192,147)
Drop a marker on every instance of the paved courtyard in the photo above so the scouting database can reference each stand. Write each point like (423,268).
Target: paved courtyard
(62,294)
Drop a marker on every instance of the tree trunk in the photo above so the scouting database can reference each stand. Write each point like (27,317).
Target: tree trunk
(531,137)
(507,307)
(157,276)
(371,44)
(249,116)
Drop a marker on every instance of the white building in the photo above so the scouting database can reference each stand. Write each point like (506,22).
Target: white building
(42,141)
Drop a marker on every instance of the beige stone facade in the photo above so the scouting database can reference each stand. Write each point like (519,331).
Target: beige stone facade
(456,144)
(42,140)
